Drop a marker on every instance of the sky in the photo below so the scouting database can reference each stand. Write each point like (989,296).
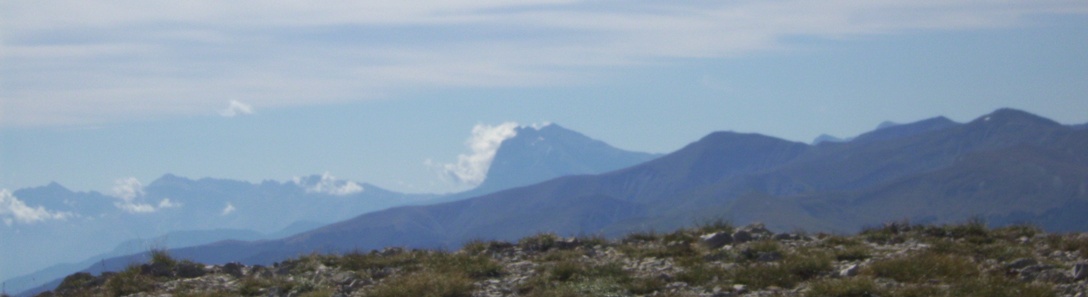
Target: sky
(407,94)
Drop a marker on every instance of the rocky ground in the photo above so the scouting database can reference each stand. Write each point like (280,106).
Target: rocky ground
(715,259)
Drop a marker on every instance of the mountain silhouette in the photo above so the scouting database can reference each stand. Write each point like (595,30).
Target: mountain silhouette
(1005,167)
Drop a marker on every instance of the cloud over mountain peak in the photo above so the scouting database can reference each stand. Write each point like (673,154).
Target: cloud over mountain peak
(131,193)
(328,184)
(471,168)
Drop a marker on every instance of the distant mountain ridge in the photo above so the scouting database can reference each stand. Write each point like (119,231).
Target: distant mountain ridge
(535,154)
(751,177)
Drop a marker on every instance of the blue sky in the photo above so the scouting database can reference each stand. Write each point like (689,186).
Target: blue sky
(388,93)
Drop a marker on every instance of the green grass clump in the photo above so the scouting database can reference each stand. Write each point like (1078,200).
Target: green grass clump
(163,258)
(1069,243)
(76,282)
(324,292)
(983,286)
(472,266)
(923,267)
(375,263)
(702,274)
(254,286)
(682,252)
(539,243)
(129,281)
(1015,232)
(890,233)
(999,286)
(848,287)
(974,231)
(573,278)
(787,273)
(642,236)
(643,286)
(476,246)
(715,225)
(853,253)
(1000,251)
(424,284)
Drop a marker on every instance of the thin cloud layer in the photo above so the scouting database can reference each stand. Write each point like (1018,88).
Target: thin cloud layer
(71,62)
(236,108)
(13,210)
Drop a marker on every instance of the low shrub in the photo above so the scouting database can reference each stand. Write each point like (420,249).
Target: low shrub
(715,225)
(1069,243)
(129,281)
(540,242)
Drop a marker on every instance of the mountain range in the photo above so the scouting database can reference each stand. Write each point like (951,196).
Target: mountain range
(1005,167)
(174,212)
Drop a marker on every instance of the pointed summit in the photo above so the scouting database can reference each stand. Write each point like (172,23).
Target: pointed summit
(537,154)
(1009,116)
(52,190)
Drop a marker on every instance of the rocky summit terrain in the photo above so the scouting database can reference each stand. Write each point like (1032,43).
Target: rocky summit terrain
(713,259)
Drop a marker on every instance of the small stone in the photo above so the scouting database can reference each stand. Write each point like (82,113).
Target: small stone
(740,288)
(849,271)
(1021,263)
(1080,271)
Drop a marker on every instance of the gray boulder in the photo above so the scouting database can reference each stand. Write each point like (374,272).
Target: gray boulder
(716,240)
(1080,271)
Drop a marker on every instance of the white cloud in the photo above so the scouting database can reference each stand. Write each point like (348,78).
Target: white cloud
(328,184)
(132,59)
(131,193)
(13,210)
(166,203)
(227,209)
(131,207)
(471,168)
(127,189)
(236,108)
